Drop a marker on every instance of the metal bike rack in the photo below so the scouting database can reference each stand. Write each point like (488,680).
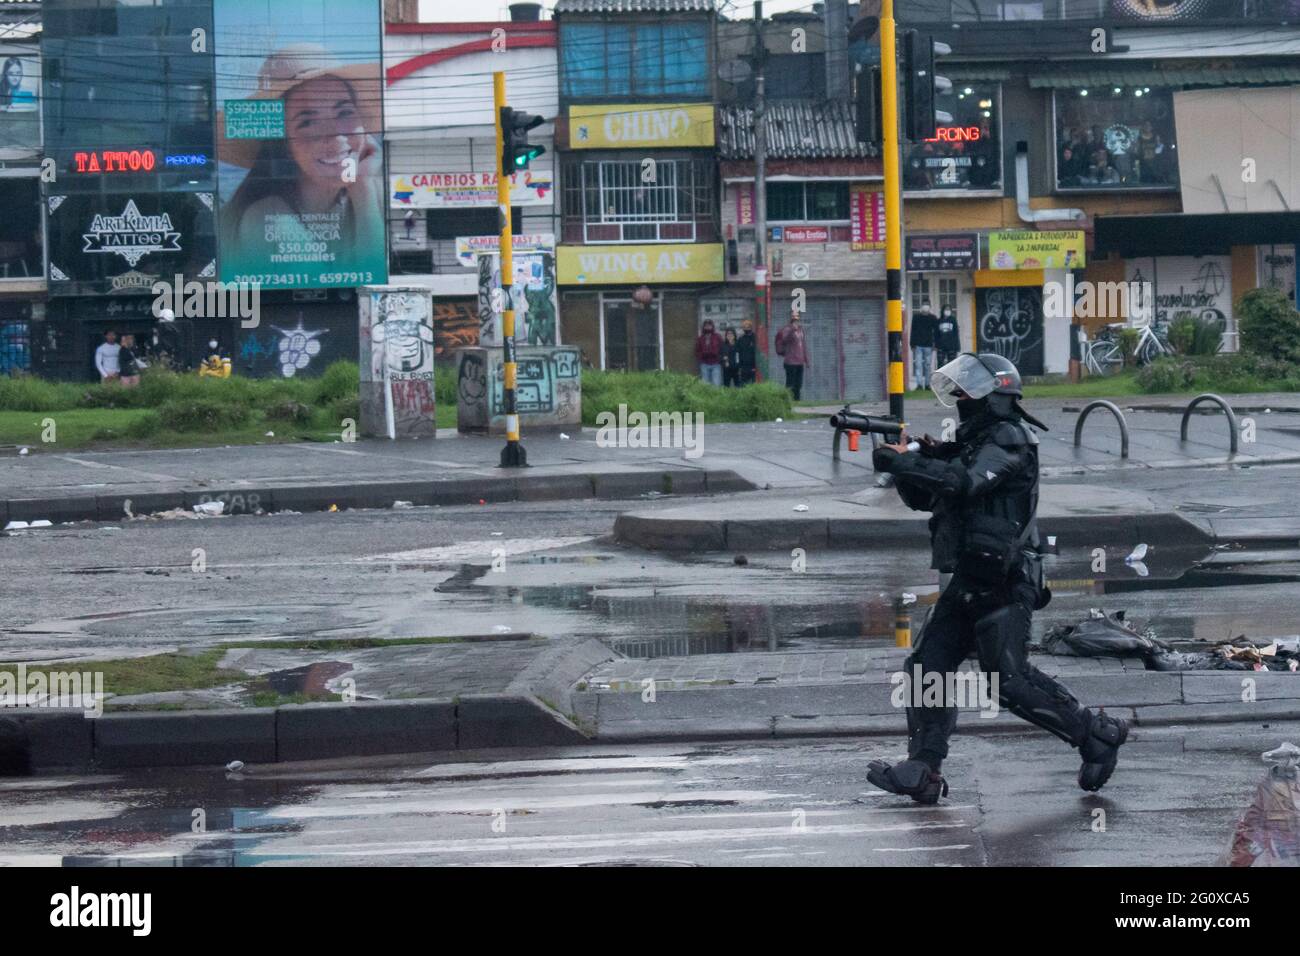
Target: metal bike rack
(1227,410)
(1119,417)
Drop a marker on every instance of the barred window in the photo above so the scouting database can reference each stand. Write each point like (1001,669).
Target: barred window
(629,201)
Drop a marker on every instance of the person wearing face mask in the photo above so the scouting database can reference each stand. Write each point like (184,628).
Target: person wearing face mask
(947,340)
(982,489)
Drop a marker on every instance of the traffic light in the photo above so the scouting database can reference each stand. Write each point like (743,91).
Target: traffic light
(516,151)
(868,125)
(921,85)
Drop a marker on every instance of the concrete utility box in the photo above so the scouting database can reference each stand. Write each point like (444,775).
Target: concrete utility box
(548,389)
(396,333)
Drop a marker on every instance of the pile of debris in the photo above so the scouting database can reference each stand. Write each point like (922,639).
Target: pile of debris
(1110,635)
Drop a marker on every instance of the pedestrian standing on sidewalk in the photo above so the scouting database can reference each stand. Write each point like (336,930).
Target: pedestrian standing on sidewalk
(730,359)
(921,339)
(708,352)
(793,349)
(747,349)
(947,340)
(106,358)
(127,362)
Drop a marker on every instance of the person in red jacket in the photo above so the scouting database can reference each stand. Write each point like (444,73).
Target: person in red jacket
(708,352)
(793,349)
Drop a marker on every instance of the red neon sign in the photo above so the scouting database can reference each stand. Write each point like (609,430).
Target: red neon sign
(115,161)
(955,134)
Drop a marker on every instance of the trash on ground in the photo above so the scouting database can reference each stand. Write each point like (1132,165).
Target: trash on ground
(1111,635)
(1268,833)
(800,507)
(909,598)
(213,508)
(403,504)
(16,526)
(235,766)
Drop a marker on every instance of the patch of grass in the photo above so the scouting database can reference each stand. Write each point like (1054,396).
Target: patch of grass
(149,675)
(273,698)
(340,643)
(1229,373)
(677,392)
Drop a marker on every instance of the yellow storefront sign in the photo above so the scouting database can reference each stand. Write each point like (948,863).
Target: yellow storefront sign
(640,125)
(1030,249)
(627,265)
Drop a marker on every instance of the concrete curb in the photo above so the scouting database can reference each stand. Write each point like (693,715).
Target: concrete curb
(69,739)
(381,494)
(657,532)
(679,729)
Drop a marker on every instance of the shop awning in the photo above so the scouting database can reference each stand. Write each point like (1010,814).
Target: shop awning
(1137,76)
(974,72)
(1179,234)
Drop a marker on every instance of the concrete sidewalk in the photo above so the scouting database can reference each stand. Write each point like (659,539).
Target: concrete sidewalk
(819,693)
(459,469)
(877,517)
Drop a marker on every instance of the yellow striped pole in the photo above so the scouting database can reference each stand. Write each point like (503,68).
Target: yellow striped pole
(513,455)
(893,207)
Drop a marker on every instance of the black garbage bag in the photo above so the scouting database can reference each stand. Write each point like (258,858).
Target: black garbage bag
(1102,635)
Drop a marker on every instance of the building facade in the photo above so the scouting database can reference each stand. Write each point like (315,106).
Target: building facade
(825,207)
(640,248)
(1103,142)
(442,183)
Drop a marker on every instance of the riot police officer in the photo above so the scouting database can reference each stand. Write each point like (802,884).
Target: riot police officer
(982,490)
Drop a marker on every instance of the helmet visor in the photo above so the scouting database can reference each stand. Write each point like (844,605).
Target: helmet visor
(966,375)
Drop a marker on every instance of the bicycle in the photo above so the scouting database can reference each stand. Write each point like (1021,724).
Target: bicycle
(1102,354)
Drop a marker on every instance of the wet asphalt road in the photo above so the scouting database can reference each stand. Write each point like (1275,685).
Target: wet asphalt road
(111,590)
(1173,802)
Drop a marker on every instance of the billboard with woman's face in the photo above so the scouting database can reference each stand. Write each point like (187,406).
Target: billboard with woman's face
(299,142)
(20,91)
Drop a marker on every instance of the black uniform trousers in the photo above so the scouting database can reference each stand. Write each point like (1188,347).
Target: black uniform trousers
(993,624)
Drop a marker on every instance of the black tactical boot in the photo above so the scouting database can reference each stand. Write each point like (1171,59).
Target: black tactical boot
(911,777)
(1100,749)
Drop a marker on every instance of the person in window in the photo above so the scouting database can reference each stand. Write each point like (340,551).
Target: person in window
(730,359)
(1151,155)
(1071,162)
(1100,171)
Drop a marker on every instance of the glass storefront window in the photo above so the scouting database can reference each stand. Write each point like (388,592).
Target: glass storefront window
(21,254)
(808,202)
(1115,138)
(966,154)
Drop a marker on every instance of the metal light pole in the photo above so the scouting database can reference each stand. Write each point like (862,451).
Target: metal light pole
(893,207)
(513,454)
(761,277)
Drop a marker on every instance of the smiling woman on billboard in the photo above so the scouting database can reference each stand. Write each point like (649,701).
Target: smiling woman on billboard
(309,211)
